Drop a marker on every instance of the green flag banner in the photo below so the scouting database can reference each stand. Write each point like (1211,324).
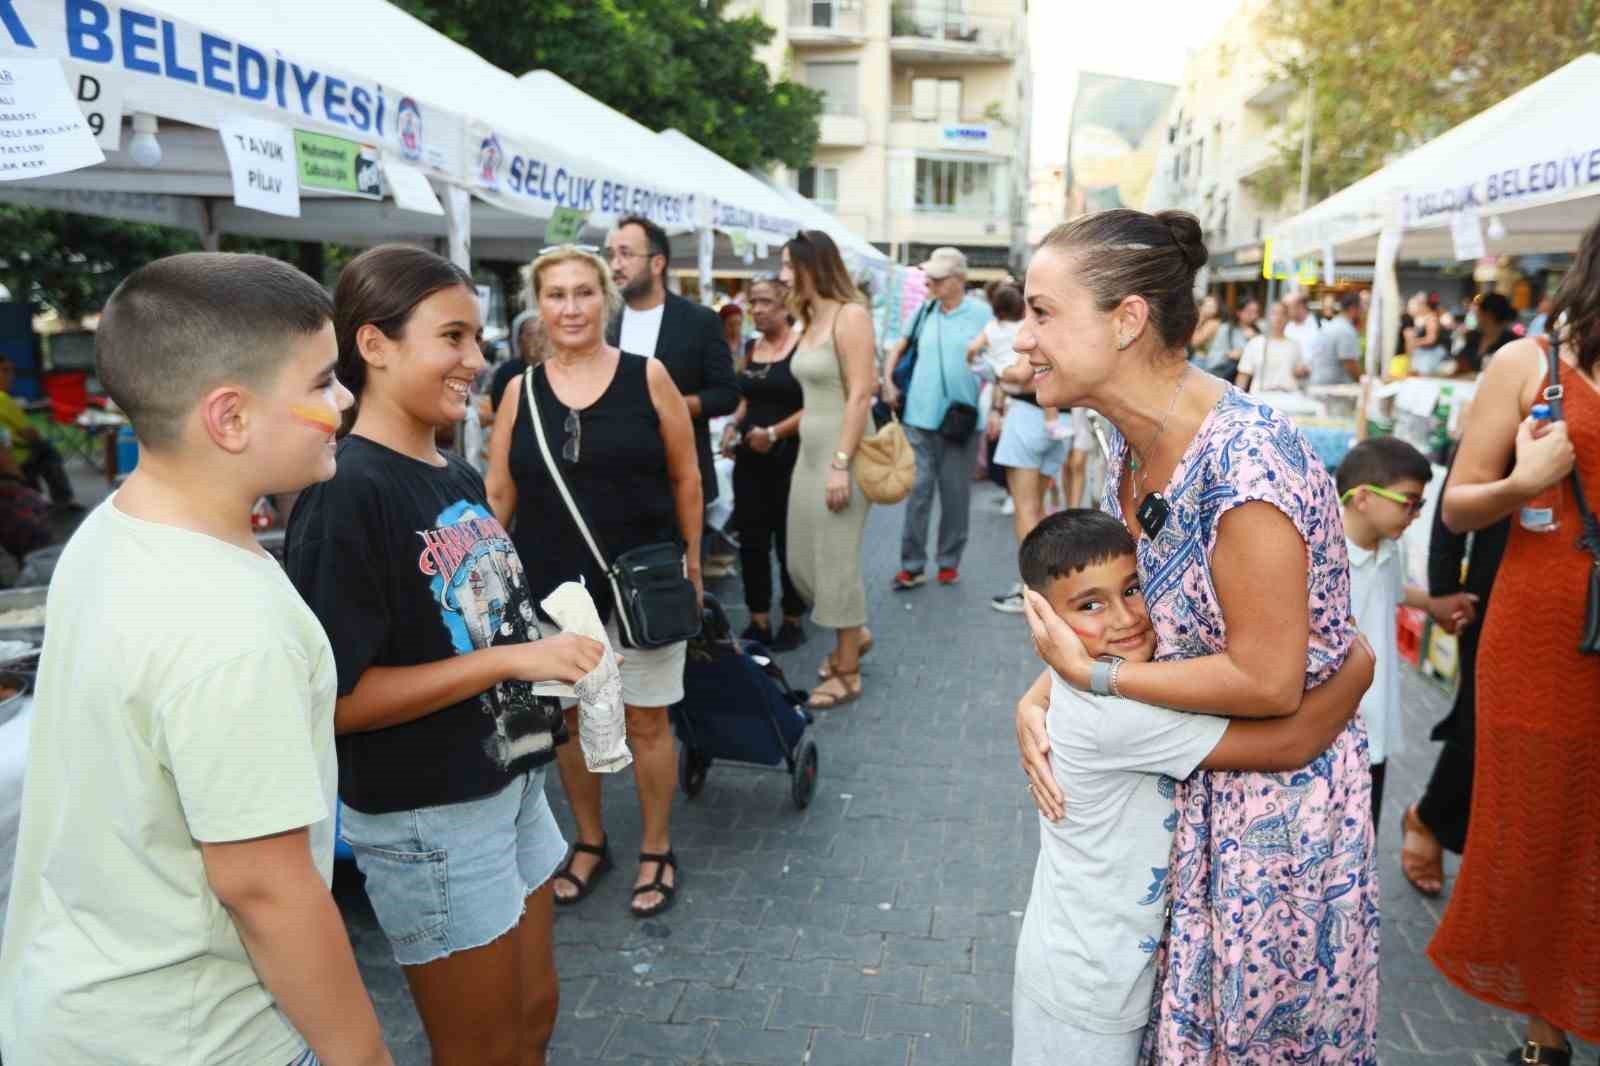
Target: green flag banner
(565,225)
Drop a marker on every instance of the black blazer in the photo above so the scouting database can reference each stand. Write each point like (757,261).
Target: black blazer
(697,359)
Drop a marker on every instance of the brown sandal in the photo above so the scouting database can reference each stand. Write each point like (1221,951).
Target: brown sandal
(822,699)
(826,670)
(1424,874)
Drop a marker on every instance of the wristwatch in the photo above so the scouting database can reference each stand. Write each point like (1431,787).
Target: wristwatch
(772,438)
(841,461)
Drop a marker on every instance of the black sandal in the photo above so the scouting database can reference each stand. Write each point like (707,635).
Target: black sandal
(658,885)
(1534,1054)
(584,887)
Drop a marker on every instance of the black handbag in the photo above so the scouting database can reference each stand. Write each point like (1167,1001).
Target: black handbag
(960,420)
(656,601)
(1589,525)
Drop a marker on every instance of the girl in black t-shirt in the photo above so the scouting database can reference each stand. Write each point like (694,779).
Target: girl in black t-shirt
(442,737)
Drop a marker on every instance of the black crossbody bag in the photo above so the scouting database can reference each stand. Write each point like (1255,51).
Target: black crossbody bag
(1589,531)
(960,420)
(656,602)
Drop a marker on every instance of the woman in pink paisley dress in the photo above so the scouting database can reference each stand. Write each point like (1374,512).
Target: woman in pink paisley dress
(1272,949)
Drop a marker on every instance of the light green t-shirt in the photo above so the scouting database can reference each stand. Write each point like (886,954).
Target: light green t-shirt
(185,694)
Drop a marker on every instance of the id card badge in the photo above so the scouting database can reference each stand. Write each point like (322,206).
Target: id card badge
(1152,514)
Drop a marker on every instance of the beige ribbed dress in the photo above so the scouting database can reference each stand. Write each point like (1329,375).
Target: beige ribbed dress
(824,545)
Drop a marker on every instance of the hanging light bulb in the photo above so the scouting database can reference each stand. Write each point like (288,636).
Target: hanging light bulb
(1497,229)
(143,148)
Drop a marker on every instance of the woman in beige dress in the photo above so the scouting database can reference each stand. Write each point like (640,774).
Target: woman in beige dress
(836,369)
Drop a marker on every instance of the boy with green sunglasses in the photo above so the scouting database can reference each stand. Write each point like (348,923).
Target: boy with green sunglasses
(1381,484)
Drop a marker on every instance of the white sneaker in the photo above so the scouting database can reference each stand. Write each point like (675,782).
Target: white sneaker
(1009,507)
(1010,603)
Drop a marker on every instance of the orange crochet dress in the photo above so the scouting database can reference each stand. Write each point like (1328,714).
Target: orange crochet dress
(1522,930)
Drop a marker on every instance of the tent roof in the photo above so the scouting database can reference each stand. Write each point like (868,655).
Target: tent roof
(1544,130)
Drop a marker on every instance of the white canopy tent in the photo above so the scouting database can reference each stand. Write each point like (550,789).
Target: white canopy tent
(1529,168)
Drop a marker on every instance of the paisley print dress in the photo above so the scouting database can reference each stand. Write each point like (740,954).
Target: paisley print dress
(1271,956)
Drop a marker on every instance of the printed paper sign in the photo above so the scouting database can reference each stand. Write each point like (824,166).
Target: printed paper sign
(42,132)
(565,225)
(411,188)
(1466,230)
(100,100)
(265,174)
(337,165)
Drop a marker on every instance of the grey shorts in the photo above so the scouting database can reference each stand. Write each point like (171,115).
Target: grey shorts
(651,677)
(1039,1038)
(454,877)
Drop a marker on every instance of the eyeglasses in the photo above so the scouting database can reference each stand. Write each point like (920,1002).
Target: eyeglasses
(574,428)
(613,254)
(1410,501)
(592,249)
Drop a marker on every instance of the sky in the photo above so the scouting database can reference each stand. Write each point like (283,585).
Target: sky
(1134,38)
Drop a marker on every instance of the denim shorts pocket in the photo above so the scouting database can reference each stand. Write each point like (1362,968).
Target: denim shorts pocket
(408,890)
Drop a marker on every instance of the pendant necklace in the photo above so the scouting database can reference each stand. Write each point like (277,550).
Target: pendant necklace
(1152,513)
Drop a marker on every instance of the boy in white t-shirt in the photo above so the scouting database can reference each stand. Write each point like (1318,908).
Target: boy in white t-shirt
(170,897)
(1098,907)
(1381,482)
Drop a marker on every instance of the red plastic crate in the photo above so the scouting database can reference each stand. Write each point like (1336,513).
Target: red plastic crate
(1409,626)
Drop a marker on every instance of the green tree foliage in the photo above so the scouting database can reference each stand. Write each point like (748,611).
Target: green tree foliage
(71,262)
(665,63)
(1388,76)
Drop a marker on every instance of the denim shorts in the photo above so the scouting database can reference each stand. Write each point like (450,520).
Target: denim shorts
(453,877)
(1026,444)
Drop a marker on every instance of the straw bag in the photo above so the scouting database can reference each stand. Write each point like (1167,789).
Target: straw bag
(885,467)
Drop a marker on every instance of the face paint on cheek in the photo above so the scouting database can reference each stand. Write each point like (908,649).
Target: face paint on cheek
(322,419)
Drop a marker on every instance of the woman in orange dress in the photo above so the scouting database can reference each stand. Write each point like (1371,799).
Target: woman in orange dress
(1522,929)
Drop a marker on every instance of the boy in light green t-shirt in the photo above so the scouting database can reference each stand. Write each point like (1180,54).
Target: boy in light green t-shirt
(170,898)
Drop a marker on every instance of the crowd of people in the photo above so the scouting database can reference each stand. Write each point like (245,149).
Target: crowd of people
(1207,753)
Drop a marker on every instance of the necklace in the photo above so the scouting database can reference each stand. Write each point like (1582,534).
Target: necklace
(1152,513)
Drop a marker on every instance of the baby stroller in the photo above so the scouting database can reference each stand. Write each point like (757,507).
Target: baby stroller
(737,707)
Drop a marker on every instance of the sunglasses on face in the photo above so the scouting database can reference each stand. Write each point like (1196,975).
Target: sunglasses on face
(1411,502)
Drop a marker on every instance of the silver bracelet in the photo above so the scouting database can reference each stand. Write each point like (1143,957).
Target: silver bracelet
(1116,674)
(1100,677)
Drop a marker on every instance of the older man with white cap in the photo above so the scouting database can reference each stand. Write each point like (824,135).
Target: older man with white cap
(940,379)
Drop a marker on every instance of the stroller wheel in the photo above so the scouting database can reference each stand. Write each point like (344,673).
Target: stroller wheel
(804,774)
(692,769)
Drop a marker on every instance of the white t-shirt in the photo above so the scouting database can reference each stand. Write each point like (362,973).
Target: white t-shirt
(1001,353)
(1270,362)
(1307,334)
(185,694)
(1377,587)
(641,330)
(1086,953)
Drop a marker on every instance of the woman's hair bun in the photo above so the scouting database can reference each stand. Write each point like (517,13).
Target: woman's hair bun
(1186,232)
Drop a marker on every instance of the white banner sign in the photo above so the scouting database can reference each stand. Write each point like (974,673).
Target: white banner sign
(1466,231)
(411,188)
(42,132)
(266,176)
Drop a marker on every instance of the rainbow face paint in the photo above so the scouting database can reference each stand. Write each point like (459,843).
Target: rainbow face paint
(321,419)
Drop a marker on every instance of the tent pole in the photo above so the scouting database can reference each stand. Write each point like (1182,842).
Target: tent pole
(707,249)
(458,219)
(210,236)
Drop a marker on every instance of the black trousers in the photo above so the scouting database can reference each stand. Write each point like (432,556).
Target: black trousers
(761,517)
(1447,801)
(45,465)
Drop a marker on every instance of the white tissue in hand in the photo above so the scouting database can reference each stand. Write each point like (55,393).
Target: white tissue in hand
(602,721)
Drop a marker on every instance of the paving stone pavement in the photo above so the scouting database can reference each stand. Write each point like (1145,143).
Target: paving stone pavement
(878,927)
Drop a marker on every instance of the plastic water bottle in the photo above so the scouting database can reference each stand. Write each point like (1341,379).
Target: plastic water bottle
(1539,514)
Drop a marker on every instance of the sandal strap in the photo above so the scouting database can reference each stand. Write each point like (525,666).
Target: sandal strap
(1534,1054)
(599,851)
(663,860)
(663,857)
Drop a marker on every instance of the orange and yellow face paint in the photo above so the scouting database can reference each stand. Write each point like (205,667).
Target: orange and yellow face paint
(317,417)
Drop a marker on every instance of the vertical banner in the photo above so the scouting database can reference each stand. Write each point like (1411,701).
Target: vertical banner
(458,216)
(708,249)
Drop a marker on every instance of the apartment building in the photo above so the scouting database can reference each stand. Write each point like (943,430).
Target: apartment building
(924,135)
(1228,126)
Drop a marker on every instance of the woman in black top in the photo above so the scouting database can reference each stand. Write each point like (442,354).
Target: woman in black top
(619,431)
(763,440)
(441,736)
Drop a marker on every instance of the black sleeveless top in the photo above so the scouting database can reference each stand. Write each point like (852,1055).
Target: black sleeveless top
(771,394)
(619,482)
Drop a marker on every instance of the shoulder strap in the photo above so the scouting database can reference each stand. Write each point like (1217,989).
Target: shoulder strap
(1554,391)
(555,471)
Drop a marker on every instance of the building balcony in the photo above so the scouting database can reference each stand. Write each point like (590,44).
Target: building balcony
(826,23)
(938,227)
(841,131)
(1256,156)
(1271,95)
(979,134)
(933,33)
